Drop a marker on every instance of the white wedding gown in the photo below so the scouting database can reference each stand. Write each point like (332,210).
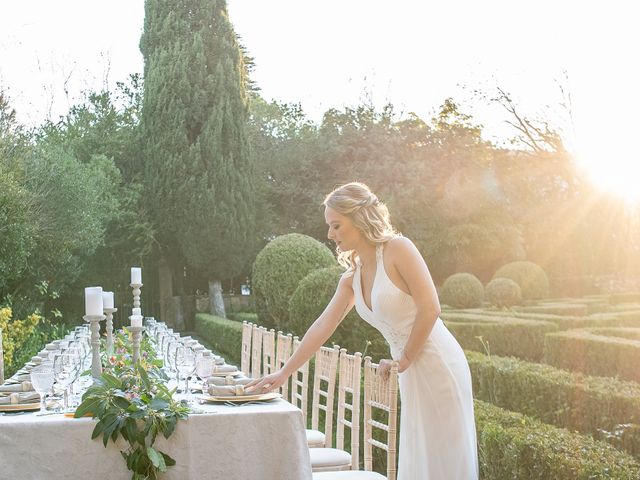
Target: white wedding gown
(437,428)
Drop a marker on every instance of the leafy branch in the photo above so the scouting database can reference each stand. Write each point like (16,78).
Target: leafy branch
(135,403)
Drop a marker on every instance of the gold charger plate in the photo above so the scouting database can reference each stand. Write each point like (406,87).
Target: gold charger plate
(263,397)
(20,407)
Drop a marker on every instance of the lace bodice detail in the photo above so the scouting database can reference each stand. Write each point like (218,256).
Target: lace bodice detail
(392,312)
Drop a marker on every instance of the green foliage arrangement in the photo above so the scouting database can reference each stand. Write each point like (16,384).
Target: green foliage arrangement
(503,293)
(530,277)
(133,401)
(462,290)
(278,269)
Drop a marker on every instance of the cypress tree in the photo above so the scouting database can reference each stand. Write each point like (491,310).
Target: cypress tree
(199,176)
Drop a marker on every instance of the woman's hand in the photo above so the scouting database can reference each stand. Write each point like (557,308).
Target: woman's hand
(384,366)
(267,383)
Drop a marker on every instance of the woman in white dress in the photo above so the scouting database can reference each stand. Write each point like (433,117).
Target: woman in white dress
(388,282)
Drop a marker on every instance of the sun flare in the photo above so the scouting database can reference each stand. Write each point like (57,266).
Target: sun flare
(611,161)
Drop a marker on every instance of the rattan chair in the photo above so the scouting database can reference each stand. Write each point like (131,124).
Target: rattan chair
(245,354)
(324,383)
(337,459)
(300,387)
(268,351)
(379,395)
(256,351)
(283,353)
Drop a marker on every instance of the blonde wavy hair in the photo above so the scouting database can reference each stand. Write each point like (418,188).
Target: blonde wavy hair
(357,202)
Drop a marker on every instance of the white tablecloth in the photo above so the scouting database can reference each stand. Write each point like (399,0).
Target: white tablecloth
(258,442)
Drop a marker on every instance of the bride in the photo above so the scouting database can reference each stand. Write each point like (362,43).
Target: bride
(390,286)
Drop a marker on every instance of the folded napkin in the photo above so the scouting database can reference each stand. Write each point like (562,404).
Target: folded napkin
(15,398)
(23,377)
(224,368)
(17,387)
(228,380)
(218,360)
(36,359)
(231,391)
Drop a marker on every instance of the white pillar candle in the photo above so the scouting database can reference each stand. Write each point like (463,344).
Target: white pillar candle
(93,301)
(136,276)
(136,320)
(136,311)
(107,299)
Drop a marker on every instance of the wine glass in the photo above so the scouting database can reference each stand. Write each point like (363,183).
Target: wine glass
(204,369)
(185,365)
(42,380)
(66,367)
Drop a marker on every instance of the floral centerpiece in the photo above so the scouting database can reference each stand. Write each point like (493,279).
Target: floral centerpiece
(133,401)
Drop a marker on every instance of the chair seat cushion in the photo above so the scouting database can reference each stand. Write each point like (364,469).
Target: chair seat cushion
(329,459)
(349,475)
(315,439)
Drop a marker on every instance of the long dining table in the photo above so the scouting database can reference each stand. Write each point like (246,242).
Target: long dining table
(264,441)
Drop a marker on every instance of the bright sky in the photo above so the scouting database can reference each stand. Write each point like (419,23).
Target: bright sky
(334,53)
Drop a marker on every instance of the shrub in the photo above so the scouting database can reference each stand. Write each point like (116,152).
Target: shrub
(243,317)
(462,290)
(503,292)
(531,279)
(15,334)
(499,335)
(516,447)
(606,352)
(556,309)
(606,408)
(278,269)
(310,299)
(224,336)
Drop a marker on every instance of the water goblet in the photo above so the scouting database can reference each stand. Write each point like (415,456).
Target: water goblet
(42,378)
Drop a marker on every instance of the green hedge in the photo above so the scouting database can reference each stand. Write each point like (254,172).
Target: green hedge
(278,269)
(564,322)
(502,292)
(499,335)
(462,290)
(606,408)
(609,352)
(243,317)
(617,298)
(530,277)
(516,447)
(574,309)
(224,336)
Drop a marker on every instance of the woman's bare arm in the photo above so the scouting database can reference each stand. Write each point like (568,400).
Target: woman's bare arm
(316,336)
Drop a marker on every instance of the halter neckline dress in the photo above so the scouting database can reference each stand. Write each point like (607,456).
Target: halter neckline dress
(437,427)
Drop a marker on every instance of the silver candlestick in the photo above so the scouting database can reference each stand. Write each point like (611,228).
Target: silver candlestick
(109,328)
(136,333)
(136,294)
(94,320)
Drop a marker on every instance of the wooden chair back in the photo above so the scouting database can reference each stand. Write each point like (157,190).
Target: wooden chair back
(380,394)
(324,385)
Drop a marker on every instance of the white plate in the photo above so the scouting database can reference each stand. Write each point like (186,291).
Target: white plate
(237,373)
(18,407)
(263,397)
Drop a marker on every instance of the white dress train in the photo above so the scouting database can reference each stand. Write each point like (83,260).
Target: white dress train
(437,427)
